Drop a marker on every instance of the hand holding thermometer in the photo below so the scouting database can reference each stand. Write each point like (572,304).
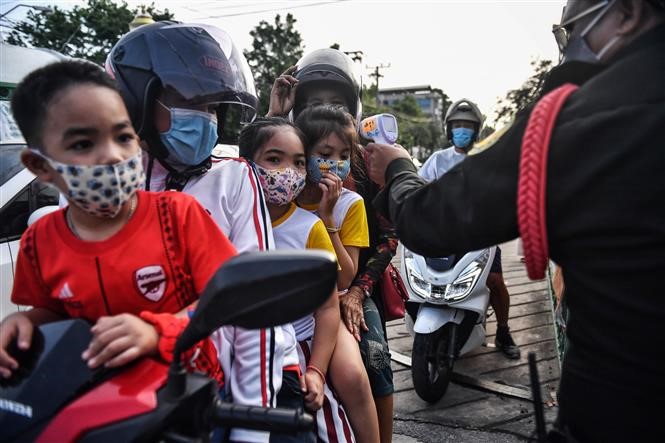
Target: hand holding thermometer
(380,128)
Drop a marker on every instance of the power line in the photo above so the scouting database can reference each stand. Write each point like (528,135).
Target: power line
(242,4)
(236,14)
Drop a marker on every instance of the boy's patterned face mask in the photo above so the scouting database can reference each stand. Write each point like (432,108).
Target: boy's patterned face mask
(100,190)
(316,166)
(281,186)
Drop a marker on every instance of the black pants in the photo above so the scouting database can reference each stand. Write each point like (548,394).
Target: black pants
(590,410)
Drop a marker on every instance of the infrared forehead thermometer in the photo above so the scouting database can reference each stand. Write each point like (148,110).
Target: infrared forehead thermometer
(380,128)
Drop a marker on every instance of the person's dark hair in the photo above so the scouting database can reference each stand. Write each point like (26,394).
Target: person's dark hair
(256,134)
(36,91)
(317,122)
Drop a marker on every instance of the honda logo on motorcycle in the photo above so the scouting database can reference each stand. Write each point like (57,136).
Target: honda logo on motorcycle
(151,282)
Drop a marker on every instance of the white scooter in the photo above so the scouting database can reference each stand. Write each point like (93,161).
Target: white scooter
(448,300)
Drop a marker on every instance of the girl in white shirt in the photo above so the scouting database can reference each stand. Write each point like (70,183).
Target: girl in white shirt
(277,149)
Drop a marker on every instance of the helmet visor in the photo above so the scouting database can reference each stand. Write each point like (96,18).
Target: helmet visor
(215,73)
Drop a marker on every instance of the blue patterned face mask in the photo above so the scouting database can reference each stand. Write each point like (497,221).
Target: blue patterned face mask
(316,166)
(192,136)
(462,137)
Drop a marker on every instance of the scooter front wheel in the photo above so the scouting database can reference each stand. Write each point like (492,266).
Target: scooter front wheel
(430,371)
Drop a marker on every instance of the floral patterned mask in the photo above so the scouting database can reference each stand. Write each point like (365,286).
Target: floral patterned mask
(100,190)
(316,166)
(281,186)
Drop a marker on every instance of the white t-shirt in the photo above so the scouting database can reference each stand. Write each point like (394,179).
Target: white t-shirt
(231,193)
(300,229)
(439,163)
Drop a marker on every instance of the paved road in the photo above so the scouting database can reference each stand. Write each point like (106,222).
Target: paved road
(467,414)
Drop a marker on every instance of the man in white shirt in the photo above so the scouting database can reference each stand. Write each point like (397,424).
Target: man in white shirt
(463,122)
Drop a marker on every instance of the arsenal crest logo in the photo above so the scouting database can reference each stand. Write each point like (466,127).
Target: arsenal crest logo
(151,282)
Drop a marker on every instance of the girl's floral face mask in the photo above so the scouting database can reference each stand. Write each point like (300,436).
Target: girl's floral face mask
(281,186)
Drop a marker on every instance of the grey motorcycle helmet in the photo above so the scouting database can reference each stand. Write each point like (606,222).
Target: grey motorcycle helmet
(330,67)
(466,110)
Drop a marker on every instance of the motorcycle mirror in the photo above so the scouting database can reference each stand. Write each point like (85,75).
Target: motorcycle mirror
(262,289)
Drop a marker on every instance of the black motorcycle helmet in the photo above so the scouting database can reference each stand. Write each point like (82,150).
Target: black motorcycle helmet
(332,67)
(198,62)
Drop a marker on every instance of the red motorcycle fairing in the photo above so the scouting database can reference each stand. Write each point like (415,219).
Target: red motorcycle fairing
(131,393)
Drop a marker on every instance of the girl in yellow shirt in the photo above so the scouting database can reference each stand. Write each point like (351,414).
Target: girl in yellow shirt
(332,144)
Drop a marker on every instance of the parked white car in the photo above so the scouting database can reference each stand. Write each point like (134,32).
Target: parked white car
(20,196)
(20,193)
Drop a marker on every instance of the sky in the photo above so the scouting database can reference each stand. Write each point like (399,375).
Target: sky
(476,49)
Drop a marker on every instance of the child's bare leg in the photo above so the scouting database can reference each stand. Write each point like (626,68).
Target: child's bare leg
(352,385)
(384,409)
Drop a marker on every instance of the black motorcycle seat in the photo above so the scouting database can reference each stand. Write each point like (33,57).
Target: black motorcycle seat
(51,373)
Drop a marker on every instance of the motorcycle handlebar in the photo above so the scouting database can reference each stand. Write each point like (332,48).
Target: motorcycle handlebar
(261,419)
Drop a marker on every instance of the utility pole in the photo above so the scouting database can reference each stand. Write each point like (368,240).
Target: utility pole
(377,75)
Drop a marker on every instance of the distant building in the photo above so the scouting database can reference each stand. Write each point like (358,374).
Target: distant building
(430,101)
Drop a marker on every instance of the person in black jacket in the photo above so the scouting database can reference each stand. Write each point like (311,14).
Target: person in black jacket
(605,207)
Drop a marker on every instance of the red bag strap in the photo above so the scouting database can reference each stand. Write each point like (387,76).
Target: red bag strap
(533,178)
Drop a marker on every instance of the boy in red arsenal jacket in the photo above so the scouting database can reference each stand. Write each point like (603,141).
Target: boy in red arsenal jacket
(116,256)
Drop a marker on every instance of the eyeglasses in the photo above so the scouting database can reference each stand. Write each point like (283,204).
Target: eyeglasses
(562,31)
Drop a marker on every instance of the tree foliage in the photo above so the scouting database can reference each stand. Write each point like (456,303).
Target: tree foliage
(409,106)
(276,46)
(518,99)
(87,32)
